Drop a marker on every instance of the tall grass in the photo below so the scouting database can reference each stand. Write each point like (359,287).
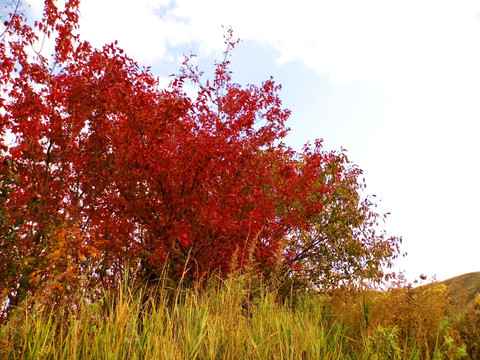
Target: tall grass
(226,319)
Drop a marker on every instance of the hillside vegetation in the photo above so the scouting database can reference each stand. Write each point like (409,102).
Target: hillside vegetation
(462,289)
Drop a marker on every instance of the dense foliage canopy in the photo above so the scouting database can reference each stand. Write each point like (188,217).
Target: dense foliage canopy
(102,170)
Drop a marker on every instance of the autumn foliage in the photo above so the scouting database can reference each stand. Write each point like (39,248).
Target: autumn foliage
(102,171)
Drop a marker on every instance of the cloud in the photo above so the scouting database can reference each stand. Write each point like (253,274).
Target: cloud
(375,42)
(423,56)
(379,43)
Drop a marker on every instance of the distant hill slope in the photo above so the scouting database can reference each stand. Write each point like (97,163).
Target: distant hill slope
(461,289)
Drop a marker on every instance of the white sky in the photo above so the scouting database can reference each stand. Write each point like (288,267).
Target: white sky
(396,83)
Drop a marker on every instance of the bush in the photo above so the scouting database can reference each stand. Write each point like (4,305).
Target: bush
(468,326)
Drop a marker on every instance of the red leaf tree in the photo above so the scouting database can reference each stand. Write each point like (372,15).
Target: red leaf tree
(108,171)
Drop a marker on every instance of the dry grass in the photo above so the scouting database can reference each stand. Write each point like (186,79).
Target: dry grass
(235,319)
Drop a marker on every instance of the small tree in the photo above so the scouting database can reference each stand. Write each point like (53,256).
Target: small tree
(343,244)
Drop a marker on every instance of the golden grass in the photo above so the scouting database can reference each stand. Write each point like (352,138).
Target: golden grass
(232,319)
